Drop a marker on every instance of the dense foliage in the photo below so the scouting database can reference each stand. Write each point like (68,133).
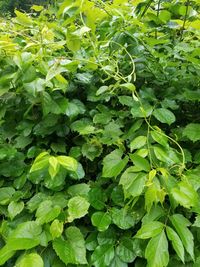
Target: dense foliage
(99,135)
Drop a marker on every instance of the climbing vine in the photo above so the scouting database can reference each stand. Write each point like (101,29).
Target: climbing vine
(99,134)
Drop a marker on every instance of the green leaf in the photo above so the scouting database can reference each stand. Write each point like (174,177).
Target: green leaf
(140,162)
(156,252)
(77,208)
(192,131)
(167,156)
(53,166)
(73,249)
(54,71)
(56,228)
(160,138)
(79,190)
(97,198)
(37,8)
(107,237)
(153,194)
(103,255)
(84,127)
(22,18)
(127,250)
(64,251)
(176,242)
(113,164)
(25,236)
(102,90)
(91,241)
(5,254)
(149,230)
(164,115)
(197,221)
(47,212)
(30,260)
(76,241)
(78,174)
(41,162)
(6,194)
(185,195)
(143,111)
(15,208)
(180,223)
(138,142)
(91,150)
(133,183)
(68,163)
(116,262)
(123,217)
(101,220)
(128,86)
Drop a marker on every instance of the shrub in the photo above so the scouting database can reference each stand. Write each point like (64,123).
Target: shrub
(99,137)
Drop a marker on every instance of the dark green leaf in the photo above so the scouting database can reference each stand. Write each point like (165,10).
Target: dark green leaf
(103,255)
(192,131)
(113,164)
(101,220)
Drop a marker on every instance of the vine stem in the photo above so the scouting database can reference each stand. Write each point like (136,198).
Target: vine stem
(185,19)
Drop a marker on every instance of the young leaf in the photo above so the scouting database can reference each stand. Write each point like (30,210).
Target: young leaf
(113,164)
(176,242)
(180,223)
(56,228)
(53,166)
(149,230)
(41,162)
(30,260)
(156,252)
(164,115)
(68,163)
